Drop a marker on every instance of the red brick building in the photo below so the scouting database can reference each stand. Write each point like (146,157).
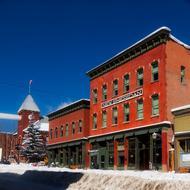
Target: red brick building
(68,132)
(7,144)
(131,96)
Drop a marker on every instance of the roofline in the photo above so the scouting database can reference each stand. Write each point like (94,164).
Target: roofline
(74,106)
(181,110)
(129,53)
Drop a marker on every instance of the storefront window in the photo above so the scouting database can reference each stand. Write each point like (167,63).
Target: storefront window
(184,145)
(131,153)
(111,154)
(120,149)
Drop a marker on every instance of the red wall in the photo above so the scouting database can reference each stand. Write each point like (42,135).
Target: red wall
(177,94)
(23,123)
(82,114)
(149,89)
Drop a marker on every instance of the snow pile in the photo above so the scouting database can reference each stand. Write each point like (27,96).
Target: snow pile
(62,178)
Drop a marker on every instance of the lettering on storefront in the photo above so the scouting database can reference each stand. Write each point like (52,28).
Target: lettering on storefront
(123,98)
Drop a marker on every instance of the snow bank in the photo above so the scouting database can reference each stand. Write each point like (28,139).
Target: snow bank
(96,179)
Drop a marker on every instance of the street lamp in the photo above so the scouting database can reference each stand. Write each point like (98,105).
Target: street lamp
(154,137)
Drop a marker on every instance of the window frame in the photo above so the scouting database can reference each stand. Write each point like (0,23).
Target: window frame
(155,71)
(104,92)
(95,95)
(126,113)
(156,106)
(126,85)
(114,119)
(115,87)
(140,77)
(104,120)
(140,111)
(94,121)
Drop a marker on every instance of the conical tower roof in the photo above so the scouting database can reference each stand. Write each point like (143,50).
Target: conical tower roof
(29,105)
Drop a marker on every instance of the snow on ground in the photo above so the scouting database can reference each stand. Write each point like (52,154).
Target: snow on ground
(24,175)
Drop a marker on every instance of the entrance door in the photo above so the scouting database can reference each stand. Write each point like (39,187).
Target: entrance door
(144,152)
(94,161)
(102,158)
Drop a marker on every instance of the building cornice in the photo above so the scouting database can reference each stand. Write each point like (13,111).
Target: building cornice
(151,41)
(81,104)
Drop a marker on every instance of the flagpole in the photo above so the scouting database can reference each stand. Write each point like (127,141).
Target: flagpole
(29,86)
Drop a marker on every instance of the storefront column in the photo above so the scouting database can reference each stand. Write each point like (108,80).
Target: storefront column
(87,155)
(125,153)
(165,149)
(77,156)
(115,155)
(69,156)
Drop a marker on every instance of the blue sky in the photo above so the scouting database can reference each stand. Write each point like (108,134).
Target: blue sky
(55,42)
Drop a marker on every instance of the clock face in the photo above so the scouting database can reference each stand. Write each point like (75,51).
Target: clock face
(30,116)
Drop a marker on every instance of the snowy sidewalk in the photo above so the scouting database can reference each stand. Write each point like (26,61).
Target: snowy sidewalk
(24,175)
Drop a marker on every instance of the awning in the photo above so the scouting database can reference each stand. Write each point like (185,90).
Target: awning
(109,138)
(100,139)
(92,140)
(141,132)
(154,130)
(119,136)
(130,134)
(74,143)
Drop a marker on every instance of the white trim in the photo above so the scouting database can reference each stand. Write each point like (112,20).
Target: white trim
(10,116)
(183,132)
(181,108)
(159,29)
(140,127)
(84,138)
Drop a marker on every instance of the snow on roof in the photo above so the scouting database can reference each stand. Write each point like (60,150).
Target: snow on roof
(149,35)
(181,108)
(179,42)
(60,108)
(42,125)
(29,104)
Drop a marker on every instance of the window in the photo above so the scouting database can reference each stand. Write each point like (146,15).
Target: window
(104,92)
(95,96)
(155,105)
(114,115)
(126,112)
(131,153)
(154,71)
(126,83)
(104,119)
(184,145)
(115,87)
(73,128)
(56,132)
(182,74)
(51,134)
(140,109)
(94,121)
(61,131)
(80,126)
(67,130)
(140,77)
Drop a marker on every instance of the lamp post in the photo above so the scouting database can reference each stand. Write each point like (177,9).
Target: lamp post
(155,136)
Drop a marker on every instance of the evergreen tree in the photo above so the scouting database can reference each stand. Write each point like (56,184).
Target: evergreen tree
(33,146)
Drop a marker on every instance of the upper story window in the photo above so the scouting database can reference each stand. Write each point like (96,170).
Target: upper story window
(114,115)
(155,104)
(80,126)
(104,92)
(140,77)
(94,121)
(104,119)
(95,96)
(73,128)
(126,83)
(61,131)
(126,112)
(51,133)
(154,67)
(182,74)
(140,109)
(56,132)
(67,130)
(115,87)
